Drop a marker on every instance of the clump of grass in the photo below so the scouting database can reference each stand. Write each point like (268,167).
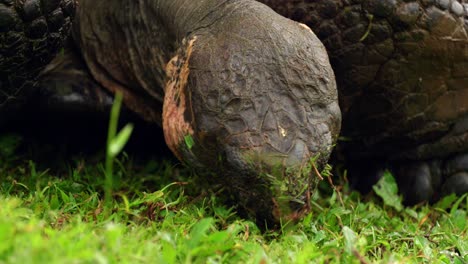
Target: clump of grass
(156,218)
(157,213)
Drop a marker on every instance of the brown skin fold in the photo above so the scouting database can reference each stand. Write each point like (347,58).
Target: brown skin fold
(249,96)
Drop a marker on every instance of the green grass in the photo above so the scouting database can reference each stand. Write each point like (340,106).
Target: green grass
(158,214)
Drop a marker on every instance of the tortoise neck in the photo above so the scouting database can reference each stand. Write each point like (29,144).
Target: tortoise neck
(182,17)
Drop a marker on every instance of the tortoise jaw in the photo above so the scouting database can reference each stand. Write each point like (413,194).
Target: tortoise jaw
(272,185)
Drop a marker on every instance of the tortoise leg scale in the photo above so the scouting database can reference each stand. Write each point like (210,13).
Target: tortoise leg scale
(430,180)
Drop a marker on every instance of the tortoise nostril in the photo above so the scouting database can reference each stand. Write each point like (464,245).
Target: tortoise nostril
(298,153)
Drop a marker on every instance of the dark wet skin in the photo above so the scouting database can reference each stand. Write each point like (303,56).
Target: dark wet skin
(260,97)
(402,76)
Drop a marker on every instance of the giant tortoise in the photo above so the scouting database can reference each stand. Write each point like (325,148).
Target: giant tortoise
(252,99)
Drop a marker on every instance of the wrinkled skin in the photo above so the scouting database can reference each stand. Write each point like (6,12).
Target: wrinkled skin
(402,76)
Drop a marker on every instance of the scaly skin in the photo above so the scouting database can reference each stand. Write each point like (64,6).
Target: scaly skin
(396,79)
(402,75)
(245,102)
(31,34)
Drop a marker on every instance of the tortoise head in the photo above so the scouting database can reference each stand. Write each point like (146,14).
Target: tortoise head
(251,99)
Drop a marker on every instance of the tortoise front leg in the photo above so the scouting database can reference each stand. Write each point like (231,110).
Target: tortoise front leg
(31,33)
(456,172)
(432,179)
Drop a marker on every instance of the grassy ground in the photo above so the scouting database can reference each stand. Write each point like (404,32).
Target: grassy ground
(159,214)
